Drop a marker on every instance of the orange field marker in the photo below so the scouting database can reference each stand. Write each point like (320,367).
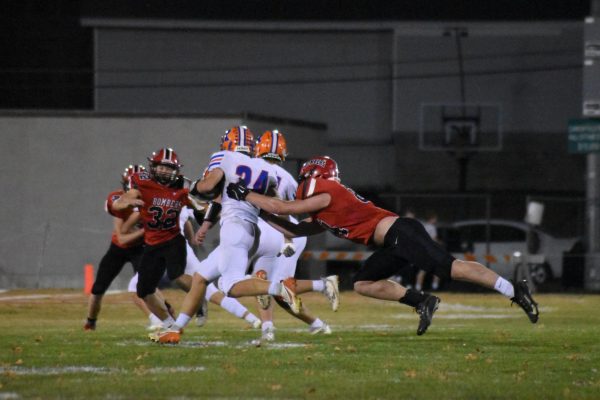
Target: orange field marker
(88,278)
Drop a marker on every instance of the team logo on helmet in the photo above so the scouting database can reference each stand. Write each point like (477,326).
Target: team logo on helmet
(272,145)
(128,173)
(168,158)
(321,167)
(240,139)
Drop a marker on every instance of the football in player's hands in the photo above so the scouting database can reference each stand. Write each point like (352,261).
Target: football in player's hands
(237,191)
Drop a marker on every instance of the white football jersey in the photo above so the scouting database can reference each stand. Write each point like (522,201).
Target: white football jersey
(286,184)
(255,172)
(186,213)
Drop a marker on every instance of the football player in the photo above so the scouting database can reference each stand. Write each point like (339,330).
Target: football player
(238,230)
(401,241)
(126,246)
(277,256)
(160,196)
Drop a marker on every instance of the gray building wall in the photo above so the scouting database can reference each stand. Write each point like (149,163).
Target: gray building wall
(367,82)
(57,171)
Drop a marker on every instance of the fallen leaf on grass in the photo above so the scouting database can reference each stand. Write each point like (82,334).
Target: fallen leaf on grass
(471,357)
(276,387)
(19,362)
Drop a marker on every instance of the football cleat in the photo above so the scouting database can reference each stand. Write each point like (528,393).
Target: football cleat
(264,300)
(256,324)
(89,326)
(268,335)
(332,291)
(525,301)
(288,294)
(425,309)
(202,313)
(323,329)
(170,335)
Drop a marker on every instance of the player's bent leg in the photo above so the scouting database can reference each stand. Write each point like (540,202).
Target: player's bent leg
(473,272)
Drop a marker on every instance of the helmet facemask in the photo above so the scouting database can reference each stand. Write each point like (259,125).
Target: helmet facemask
(164,177)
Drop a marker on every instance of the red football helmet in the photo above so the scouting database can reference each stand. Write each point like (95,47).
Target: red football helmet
(168,158)
(271,145)
(128,173)
(322,167)
(238,138)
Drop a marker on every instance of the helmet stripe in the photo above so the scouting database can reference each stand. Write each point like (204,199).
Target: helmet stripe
(274,142)
(242,136)
(167,154)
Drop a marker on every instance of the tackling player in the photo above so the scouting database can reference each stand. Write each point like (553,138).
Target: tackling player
(337,208)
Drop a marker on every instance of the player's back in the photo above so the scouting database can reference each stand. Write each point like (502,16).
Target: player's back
(256,173)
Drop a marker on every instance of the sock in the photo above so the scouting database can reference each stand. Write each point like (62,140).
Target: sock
(154,320)
(505,287)
(275,288)
(435,285)
(167,322)
(317,323)
(413,298)
(267,325)
(318,286)
(233,306)
(182,320)
(92,321)
(250,318)
(418,287)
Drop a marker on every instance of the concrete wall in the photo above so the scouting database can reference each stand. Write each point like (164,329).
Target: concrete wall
(367,82)
(57,171)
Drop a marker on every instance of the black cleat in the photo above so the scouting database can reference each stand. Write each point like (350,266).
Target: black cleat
(425,309)
(525,301)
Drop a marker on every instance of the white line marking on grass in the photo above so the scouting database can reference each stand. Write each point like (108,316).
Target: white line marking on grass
(9,396)
(95,370)
(186,344)
(38,296)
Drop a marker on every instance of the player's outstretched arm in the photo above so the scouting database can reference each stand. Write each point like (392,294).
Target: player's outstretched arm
(289,228)
(276,206)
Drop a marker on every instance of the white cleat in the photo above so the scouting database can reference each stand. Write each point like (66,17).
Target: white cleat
(332,291)
(257,324)
(288,294)
(268,335)
(323,330)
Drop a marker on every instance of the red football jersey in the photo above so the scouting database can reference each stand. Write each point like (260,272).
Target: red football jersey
(348,215)
(160,212)
(123,214)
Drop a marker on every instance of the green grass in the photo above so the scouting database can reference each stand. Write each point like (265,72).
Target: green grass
(478,347)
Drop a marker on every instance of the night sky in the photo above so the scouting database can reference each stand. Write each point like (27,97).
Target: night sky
(47,56)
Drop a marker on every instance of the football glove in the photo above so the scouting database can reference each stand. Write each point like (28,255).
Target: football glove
(237,191)
(287,250)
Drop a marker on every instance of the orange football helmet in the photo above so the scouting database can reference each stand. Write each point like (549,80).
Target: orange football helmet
(272,145)
(238,138)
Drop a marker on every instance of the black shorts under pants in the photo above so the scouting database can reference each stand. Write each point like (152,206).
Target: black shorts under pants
(170,256)
(112,263)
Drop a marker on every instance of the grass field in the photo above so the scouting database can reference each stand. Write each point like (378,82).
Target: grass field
(478,347)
